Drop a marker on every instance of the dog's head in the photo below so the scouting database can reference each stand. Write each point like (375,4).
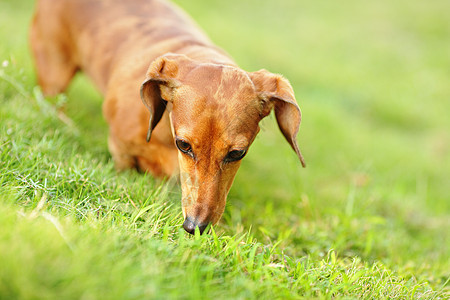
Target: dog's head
(215,112)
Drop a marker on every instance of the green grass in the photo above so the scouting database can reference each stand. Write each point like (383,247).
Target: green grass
(369,217)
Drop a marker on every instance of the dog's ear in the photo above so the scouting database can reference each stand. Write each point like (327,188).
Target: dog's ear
(162,78)
(276,91)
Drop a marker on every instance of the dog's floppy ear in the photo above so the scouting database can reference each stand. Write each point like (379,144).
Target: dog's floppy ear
(277,92)
(162,77)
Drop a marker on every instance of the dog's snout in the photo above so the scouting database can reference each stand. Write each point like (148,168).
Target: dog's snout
(189,225)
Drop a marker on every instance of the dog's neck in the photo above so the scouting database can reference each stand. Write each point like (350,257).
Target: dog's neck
(207,54)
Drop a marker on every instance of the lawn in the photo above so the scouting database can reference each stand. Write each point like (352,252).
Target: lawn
(368,218)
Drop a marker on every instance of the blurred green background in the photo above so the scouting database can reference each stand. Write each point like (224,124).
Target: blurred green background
(373,82)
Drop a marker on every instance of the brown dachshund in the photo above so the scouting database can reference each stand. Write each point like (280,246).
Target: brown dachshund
(201,111)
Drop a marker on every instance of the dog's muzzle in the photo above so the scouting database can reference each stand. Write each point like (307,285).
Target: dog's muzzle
(189,225)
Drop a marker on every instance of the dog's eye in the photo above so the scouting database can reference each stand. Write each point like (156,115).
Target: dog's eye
(184,146)
(235,155)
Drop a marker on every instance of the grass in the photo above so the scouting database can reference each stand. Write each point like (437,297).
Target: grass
(368,218)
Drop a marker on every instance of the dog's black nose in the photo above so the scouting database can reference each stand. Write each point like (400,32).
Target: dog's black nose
(190,225)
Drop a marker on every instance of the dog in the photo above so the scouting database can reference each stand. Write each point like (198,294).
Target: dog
(175,103)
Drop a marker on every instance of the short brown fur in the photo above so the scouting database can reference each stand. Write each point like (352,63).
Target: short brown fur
(192,91)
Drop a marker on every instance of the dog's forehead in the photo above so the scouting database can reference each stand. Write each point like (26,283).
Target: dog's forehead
(217,102)
(221,83)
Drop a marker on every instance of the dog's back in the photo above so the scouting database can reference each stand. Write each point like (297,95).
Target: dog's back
(215,107)
(96,35)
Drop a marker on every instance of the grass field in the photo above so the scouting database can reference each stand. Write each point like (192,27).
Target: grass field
(368,218)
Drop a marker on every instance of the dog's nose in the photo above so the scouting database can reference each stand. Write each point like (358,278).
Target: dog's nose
(190,225)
